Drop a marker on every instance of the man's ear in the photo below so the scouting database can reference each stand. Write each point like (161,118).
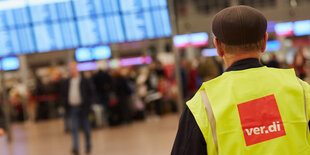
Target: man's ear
(264,43)
(218,46)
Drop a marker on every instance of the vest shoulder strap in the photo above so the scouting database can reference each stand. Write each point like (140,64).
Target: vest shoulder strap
(211,117)
(305,103)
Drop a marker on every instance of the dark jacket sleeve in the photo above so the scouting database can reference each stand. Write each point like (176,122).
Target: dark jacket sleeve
(91,91)
(63,95)
(88,93)
(189,139)
(2,120)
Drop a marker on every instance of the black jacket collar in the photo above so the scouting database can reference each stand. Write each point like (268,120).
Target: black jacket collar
(244,64)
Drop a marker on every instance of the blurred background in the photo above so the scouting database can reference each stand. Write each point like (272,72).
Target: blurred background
(144,59)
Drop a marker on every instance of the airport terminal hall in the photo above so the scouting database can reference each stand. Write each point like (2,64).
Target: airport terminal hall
(154,77)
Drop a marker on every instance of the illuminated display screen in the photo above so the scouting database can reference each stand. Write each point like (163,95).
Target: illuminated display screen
(271,26)
(28,26)
(199,39)
(273,46)
(284,29)
(209,52)
(139,26)
(16,41)
(135,61)
(83,54)
(101,52)
(87,66)
(194,39)
(9,63)
(115,63)
(181,41)
(95,53)
(302,28)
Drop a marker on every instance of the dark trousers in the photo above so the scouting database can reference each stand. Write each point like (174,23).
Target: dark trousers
(67,122)
(78,117)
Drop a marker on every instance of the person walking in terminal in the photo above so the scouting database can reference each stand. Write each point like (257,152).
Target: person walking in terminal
(250,109)
(78,95)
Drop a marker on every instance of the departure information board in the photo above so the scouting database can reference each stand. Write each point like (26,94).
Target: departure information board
(29,26)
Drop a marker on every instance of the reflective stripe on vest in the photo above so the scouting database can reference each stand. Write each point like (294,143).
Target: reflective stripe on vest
(257,111)
(305,106)
(210,117)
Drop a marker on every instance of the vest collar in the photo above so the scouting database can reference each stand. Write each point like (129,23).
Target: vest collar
(244,64)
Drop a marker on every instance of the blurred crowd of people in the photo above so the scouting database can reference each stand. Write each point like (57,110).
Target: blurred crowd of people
(119,95)
(131,93)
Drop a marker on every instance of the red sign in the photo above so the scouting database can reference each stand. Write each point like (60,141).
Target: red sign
(301,42)
(261,120)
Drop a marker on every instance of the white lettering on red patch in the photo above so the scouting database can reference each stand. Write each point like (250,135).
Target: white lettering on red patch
(261,120)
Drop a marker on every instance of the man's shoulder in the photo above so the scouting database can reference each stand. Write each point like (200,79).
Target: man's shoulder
(306,86)
(195,99)
(282,70)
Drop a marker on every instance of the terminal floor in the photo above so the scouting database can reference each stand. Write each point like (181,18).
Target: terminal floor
(154,136)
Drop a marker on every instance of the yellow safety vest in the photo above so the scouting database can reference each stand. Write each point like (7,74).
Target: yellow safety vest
(254,111)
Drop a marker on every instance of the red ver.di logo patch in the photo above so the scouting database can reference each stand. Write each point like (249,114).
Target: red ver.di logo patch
(261,120)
